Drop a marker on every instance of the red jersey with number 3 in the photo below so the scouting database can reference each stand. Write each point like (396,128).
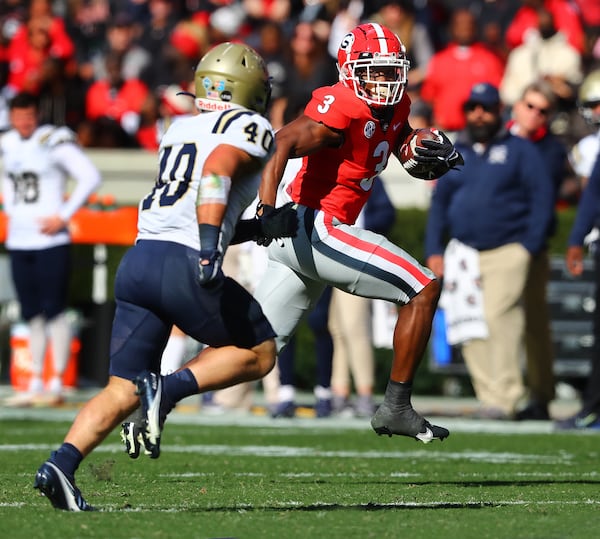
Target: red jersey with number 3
(338,180)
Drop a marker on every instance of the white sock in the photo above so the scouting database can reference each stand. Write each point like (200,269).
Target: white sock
(287,393)
(60,337)
(322,393)
(172,357)
(36,385)
(55,385)
(37,344)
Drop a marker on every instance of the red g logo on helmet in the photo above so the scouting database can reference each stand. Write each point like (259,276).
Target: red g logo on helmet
(346,45)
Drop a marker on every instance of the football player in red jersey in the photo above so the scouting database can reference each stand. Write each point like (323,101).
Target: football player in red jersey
(345,137)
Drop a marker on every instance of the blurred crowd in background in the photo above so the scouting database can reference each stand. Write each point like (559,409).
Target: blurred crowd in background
(116,73)
(111,69)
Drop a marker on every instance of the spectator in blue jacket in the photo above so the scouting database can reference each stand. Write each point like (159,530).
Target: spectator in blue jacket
(588,217)
(497,210)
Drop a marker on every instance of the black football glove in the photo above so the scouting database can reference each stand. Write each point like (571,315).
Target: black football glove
(209,265)
(442,156)
(275,223)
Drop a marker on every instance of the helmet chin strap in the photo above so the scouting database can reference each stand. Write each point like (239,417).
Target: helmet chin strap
(382,113)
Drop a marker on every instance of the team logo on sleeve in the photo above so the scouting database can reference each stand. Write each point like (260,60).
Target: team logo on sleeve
(369,129)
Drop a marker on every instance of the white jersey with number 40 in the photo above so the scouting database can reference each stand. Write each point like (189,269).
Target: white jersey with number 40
(168,213)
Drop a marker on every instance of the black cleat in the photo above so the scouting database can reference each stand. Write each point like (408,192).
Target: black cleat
(132,434)
(406,422)
(62,492)
(149,388)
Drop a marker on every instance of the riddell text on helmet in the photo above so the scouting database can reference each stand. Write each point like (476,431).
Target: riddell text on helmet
(209,104)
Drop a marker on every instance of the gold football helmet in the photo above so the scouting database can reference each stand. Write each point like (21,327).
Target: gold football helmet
(589,98)
(232,74)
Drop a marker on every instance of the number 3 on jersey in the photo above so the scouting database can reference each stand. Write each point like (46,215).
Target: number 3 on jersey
(381,153)
(327,101)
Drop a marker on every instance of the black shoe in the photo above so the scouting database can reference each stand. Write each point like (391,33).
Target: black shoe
(56,486)
(534,411)
(149,388)
(406,422)
(323,408)
(582,420)
(284,409)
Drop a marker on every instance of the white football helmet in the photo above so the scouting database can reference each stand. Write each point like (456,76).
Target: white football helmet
(372,62)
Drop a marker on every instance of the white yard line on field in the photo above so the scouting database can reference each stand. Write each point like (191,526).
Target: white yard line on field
(265,451)
(454,424)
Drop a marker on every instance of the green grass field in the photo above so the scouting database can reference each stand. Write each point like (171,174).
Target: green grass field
(268,480)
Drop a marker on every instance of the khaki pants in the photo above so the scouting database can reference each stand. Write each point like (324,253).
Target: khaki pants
(242,396)
(494,363)
(350,328)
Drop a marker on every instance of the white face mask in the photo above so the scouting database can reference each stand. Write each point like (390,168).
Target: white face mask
(378,82)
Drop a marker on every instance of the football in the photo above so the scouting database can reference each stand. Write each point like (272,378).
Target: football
(408,151)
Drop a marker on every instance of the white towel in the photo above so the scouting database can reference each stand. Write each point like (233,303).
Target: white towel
(383,323)
(462,297)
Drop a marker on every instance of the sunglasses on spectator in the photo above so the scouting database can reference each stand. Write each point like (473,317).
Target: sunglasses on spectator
(539,110)
(470,106)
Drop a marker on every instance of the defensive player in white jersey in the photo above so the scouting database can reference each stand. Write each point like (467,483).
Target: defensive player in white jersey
(583,154)
(208,173)
(37,161)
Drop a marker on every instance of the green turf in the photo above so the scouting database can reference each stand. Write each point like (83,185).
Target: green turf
(286,482)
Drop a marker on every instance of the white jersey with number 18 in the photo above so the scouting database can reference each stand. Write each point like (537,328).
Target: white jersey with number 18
(34,183)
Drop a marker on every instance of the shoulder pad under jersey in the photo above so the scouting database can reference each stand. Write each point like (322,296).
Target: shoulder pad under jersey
(335,106)
(52,136)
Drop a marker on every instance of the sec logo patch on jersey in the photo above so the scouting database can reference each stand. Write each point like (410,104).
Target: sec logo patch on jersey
(369,130)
